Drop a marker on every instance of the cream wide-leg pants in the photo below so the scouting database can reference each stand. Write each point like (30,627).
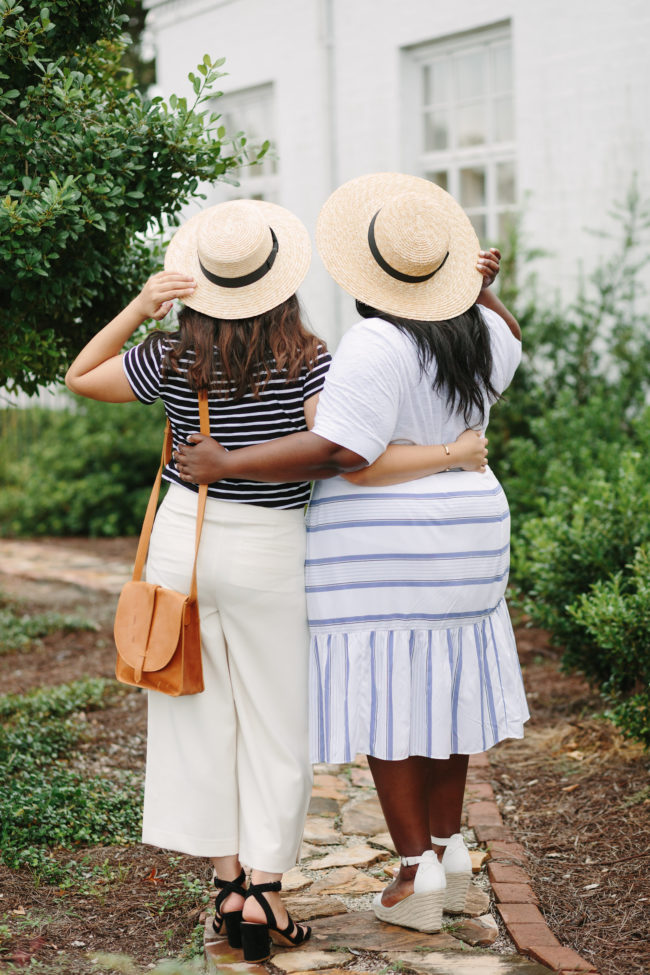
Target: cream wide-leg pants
(228,770)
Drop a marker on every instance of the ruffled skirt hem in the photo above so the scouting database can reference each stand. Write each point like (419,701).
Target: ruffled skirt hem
(392,693)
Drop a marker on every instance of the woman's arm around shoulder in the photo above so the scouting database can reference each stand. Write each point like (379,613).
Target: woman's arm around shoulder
(409,462)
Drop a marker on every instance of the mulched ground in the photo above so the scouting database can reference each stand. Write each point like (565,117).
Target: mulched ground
(577,796)
(574,792)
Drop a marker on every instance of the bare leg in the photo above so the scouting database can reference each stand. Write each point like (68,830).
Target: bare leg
(445,795)
(402,787)
(229,868)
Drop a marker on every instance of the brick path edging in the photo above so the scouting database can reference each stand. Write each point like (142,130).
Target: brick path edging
(516,899)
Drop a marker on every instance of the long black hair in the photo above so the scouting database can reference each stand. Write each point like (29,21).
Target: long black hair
(461,350)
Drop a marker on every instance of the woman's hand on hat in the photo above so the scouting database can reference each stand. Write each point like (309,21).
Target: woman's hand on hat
(201,460)
(158,295)
(470,451)
(488,265)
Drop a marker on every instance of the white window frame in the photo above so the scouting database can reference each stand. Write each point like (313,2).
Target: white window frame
(455,158)
(260,182)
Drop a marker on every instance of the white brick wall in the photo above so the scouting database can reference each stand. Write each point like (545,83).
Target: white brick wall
(582,83)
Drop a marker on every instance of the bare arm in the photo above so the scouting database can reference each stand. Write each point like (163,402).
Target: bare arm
(408,462)
(297,457)
(488,265)
(306,456)
(97,371)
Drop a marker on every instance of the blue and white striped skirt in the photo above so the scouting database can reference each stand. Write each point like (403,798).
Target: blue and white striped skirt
(412,649)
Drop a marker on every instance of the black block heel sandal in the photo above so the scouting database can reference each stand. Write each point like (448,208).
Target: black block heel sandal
(256,938)
(230,919)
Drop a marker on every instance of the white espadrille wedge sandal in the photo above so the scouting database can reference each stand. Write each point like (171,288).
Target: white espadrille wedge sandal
(457,865)
(422,909)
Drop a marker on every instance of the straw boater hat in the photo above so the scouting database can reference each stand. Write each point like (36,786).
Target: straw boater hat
(402,245)
(247,256)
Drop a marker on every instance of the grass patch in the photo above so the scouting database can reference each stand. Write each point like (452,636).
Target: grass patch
(46,803)
(23,631)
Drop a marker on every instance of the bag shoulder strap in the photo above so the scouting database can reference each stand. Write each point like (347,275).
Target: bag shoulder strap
(150,514)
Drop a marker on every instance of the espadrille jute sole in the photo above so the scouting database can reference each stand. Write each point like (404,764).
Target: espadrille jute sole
(456,893)
(423,912)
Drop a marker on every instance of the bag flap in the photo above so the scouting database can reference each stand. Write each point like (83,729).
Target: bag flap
(147,625)
(133,621)
(165,630)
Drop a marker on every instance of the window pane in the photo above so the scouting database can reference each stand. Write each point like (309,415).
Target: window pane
(503,120)
(471,81)
(505,224)
(439,177)
(435,82)
(505,172)
(472,124)
(472,187)
(502,68)
(478,222)
(436,131)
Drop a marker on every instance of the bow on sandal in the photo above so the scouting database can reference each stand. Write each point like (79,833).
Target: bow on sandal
(256,937)
(231,919)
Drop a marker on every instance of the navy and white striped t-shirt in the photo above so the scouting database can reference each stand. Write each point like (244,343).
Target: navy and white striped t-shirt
(278,411)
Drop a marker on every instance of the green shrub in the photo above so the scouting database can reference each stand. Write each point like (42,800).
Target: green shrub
(87,471)
(615,614)
(564,448)
(571,445)
(587,536)
(88,166)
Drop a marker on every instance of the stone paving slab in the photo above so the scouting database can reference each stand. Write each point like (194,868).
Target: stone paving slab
(324,806)
(385,840)
(334,971)
(479,932)
(295,879)
(320,831)
(300,960)
(445,963)
(361,930)
(33,560)
(220,956)
(363,818)
(347,880)
(354,856)
(308,906)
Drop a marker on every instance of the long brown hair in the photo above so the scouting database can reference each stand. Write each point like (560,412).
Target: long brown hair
(237,357)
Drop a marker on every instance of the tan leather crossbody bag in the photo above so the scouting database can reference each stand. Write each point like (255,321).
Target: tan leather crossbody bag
(157,630)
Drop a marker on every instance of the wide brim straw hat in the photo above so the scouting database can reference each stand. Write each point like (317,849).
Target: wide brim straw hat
(402,245)
(247,256)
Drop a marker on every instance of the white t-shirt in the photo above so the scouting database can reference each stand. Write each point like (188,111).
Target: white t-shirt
(375,393)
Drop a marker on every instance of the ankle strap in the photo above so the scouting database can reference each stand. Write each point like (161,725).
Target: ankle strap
(256,891)
(227,887)
(410,861)
(260,888)
(230,885)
